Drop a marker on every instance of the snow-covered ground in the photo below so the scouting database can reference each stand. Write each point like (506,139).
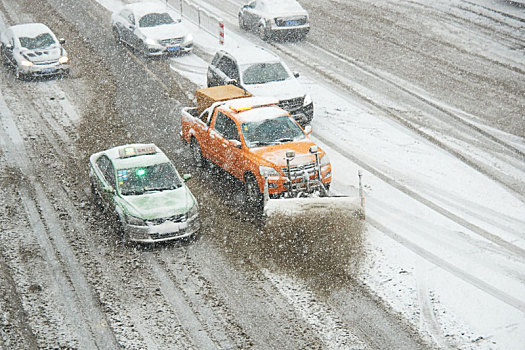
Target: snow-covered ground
(446,243)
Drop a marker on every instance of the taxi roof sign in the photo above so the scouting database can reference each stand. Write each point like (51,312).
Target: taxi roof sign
(132,151)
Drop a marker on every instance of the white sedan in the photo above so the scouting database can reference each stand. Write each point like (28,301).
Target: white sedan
(33,50)
(151,29)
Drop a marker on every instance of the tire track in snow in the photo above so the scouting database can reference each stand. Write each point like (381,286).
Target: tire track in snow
(478,283)
(79,302)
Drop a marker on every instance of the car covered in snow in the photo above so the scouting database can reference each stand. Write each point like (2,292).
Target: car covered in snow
(32,49)
(262,73)
(275,18)
(151,29)
(140,186)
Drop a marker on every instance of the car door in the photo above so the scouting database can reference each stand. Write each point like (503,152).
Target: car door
(127,26)
(253,13)
(106,178)
(212,74)
(228,142)
(229,72)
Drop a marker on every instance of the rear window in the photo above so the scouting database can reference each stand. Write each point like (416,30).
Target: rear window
(155,19)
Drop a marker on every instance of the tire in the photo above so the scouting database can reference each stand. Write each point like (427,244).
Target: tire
(254,196)
(196,153)
(263,33)
(116,34)
(18,75)
(242,25)
(95,196)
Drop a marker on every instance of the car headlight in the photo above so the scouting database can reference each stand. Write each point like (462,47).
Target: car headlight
(150,41)
(307,100)
(194,211)
(324,160)
(132,220)
(267,171)
(188,39)
(63,60)
(26,63)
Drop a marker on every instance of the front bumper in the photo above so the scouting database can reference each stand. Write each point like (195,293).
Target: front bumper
(303,115)
(43,70)
(278,185)
(292,32)
(159,50)
(163,232)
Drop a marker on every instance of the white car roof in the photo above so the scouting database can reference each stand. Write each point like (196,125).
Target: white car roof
(252,54)
(142,8)
(284,6)
(30,29)
(134,161)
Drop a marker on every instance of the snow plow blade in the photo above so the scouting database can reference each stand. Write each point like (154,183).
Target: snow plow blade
(317,206)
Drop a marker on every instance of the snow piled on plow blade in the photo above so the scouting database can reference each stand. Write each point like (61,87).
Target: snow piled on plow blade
(315,236)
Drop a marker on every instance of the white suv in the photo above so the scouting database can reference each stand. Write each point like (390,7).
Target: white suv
(262,73)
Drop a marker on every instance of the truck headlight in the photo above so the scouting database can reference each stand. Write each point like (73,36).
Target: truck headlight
(150,42)
(132,220)
(324,160)
(267,171)
(188,40)
(63,60)
(307,100)
(26,63)
(194,211)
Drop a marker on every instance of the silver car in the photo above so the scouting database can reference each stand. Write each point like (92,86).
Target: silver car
(152,29)
(33,50)
(285,19)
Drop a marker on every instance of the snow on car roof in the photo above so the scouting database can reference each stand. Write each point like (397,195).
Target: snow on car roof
(142,8)
(285,5)
(30,29)
(135,161)
(262,113)
(252,54)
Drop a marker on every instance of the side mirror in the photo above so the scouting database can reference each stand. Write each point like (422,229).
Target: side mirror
(186,177)
(232,82)
(9,47)
(308,129)
(109,189)
(296,74)
(235,143)
(61,41)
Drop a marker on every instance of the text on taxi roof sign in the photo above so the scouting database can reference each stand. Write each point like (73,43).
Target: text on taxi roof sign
(132,151)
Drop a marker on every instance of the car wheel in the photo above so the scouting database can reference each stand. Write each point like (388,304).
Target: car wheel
(95,196)
(19,75)
(253,194)
(242,25)
(263,33)
(196,153)
(116,34)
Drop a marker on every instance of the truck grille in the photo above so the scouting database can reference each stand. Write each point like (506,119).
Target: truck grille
(171,42)
(290,21)
(45,63)
(174,218)
(291,104)
(299,170)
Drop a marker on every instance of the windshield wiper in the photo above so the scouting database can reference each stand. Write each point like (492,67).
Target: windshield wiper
(285,139)
(132,192)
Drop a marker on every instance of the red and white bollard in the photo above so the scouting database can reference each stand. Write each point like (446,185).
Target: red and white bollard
(221,33)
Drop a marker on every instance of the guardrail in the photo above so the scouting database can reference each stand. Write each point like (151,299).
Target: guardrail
(199,16)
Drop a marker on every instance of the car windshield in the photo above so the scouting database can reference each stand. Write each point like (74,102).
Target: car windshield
(271,131)
(261,73)
(40,41)
(155,19)
(139,180)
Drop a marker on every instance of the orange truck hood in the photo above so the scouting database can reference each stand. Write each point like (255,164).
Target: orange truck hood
(276,154)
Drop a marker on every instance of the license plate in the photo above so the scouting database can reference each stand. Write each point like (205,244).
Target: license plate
(48,70)
(173,49)
(291,23)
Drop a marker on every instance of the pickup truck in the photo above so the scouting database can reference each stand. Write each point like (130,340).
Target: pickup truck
(254,140)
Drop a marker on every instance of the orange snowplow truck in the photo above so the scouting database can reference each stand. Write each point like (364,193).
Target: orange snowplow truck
(257,142)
